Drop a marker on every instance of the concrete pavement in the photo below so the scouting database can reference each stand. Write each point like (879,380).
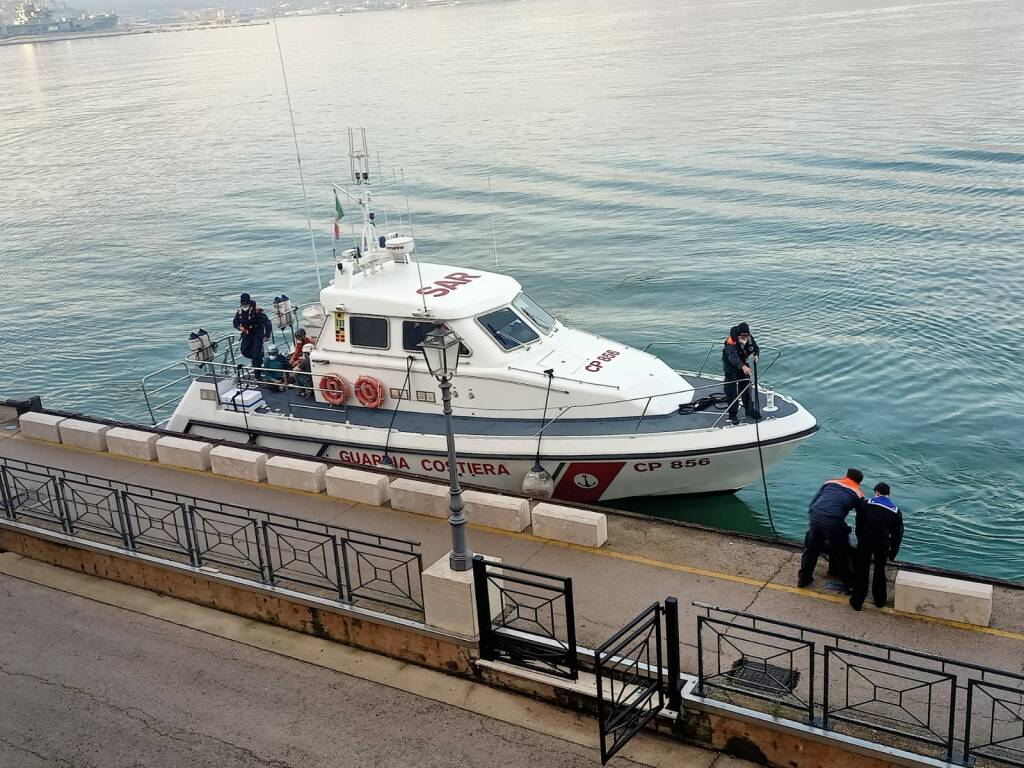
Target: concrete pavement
(644,560)
(95,674)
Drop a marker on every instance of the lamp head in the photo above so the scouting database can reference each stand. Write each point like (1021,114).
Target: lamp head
(441,352)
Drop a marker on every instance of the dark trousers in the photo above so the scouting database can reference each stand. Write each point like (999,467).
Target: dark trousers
(836,538)
(732,394)
(257,362)
(862,558)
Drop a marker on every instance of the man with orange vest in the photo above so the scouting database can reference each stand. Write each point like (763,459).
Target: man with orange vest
(828,528)
(737,350)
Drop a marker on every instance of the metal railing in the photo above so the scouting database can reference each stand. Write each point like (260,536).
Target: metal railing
(630,680)
(346,565)
(226,356)
(526,618)
(226,367)
(908,699)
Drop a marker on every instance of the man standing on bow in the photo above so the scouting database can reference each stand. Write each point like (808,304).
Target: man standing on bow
(254,325)
(738,349)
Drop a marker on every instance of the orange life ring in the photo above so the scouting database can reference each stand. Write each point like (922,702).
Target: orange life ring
(335,389)
(370,391)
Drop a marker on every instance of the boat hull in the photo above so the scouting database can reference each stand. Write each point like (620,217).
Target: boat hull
(585,470)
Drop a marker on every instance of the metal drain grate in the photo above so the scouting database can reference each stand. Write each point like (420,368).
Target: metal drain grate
(761,676)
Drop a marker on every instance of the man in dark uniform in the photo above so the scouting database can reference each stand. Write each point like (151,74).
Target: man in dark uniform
(879,535)
(828,528)
(737,350)
(255,328)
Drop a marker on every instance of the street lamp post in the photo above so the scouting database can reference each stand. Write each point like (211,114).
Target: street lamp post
(441,349)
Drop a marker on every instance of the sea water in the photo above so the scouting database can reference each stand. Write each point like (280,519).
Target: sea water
(845,175)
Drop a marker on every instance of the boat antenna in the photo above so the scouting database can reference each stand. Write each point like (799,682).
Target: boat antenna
(494,236)
(408,210)
(298,155)
(412,232)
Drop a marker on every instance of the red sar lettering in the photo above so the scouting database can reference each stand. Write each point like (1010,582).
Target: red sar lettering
(595,365)
(449,284)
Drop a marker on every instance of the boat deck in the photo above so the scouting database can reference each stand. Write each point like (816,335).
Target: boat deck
(497,426)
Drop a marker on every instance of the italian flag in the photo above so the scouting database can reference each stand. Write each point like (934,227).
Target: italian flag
(339,214)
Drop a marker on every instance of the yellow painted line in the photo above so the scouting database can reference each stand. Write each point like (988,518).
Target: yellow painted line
(609,553)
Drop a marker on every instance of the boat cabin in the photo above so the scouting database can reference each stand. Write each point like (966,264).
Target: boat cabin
(379,309)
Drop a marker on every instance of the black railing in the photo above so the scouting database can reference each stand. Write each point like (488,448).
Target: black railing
(329,561)
(994,731)
(765,666)
(906,699)
(526,618)
(630,680)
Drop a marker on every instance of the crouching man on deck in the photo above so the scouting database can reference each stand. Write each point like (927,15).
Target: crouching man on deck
(828,528)
(879,535)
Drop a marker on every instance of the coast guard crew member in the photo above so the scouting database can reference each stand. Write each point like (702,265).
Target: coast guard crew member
(255,328)
(879,535)
(827,513)
(737,350)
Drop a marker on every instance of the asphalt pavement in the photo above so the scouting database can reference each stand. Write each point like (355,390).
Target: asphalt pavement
(88,685)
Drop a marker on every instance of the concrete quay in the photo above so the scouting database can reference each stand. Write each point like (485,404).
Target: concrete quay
(644,560)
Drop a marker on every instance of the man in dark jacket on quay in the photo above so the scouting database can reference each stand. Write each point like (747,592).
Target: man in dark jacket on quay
(827,513)
(737,350)
(879,535)
(254,325)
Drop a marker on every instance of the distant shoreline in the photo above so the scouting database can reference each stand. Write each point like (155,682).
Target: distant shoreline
(122,32)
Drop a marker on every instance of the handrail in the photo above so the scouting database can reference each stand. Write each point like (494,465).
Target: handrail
(777,351)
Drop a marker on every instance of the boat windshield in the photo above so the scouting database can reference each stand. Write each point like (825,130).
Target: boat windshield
(534,312)
(507,328)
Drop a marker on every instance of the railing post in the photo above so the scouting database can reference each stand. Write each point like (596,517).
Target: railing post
(63,513)
(967,723)
(269,575)
(675,699)
(824,691)
(5,493)
(344,575)
(483,606)
(700,655)
(570,630)
(191,540)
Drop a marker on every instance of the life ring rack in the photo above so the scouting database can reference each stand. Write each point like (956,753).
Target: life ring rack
(370,391)
(334,389)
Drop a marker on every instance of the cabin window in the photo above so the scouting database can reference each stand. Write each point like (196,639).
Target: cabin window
(507,328)
(415,331)
(534,312)
(369,332)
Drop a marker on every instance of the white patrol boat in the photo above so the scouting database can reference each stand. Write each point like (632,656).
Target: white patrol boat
(605,420)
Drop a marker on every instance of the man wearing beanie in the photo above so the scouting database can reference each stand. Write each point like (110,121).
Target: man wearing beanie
(254,326)
(737,350)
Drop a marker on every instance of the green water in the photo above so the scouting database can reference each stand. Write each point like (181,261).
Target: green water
(845,176)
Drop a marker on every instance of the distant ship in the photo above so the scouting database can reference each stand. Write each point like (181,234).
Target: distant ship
(32,20)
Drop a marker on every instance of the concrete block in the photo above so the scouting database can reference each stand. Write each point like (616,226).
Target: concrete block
(297,474)
(449,602)
(179,452)
(419,496)
(576,526)
(41,426)
(133,443)
(357,485)
(944,598)
(505,512)
(239,463)
(84,434)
